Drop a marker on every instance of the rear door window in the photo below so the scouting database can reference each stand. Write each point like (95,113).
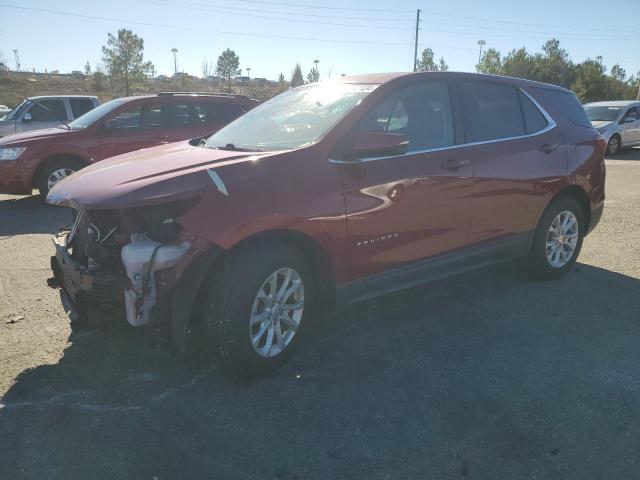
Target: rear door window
(48,110)
(157,115)
(491,111)
(80,106)
(185,115)
(421,112)
(567,103)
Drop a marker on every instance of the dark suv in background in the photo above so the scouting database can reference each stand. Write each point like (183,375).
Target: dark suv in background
(41,158)
(332,191)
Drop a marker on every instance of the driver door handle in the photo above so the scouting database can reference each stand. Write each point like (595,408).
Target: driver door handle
(548,147)
(454,164)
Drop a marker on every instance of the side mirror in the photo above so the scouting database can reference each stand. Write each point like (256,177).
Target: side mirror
(110,125)
(375,144)
(27,118)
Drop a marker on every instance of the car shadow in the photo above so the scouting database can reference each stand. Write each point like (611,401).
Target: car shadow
(483,375)
(631,154)
(28,215)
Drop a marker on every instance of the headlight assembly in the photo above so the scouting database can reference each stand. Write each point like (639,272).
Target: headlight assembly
(11,153)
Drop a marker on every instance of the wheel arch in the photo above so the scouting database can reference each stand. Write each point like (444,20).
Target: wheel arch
(52,158)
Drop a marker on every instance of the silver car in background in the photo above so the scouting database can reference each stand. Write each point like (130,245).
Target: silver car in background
(35,113)
(618,122)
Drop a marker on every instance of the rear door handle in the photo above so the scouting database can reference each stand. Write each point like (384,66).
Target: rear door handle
(454,164)
(548,147)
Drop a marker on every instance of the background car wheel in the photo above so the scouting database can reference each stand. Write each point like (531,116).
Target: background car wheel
(614,145)
(259,306)
(56,170)
(557,240)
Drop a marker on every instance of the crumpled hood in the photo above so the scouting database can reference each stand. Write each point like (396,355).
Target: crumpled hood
(145,177)
(46,134)
(600,124)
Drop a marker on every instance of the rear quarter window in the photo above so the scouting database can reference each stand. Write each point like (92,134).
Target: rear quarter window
(568,105)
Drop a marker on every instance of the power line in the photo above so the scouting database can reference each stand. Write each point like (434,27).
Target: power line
(200,6)
(208,30)
(297,20)
(543,34)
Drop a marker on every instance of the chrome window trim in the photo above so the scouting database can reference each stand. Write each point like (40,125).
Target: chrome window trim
(551,124)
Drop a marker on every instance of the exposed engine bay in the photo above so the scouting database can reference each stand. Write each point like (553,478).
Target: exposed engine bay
(122,263)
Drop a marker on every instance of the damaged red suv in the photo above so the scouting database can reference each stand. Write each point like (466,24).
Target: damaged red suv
(330,192)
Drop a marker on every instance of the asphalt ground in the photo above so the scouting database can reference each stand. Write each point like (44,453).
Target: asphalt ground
(482,376)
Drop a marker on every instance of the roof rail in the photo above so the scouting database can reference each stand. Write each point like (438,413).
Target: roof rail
(211,94)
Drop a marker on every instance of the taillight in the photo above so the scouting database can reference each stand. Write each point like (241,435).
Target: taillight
(601,144)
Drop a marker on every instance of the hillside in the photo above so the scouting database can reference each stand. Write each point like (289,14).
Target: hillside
(14,87)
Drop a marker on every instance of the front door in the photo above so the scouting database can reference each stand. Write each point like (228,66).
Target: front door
(404,208)
(130,131)
(630,127)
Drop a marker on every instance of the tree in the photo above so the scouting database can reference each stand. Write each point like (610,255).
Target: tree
(87,68)
(591,83)
(443,65)
(124,59)
(228,65)
(207,67)
(491,62)
(314,75)
(618,73)
(554,66)
(519,63)
(296,78)
(425,62)
(281,78)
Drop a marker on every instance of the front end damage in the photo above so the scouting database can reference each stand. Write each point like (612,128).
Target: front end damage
(133,264)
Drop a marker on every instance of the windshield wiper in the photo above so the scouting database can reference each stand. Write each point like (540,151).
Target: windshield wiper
(233,148)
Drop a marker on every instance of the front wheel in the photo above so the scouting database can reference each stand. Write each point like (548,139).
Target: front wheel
(258,308)
(557,240)
(54,171)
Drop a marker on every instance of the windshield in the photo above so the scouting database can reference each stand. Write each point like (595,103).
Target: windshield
(602,113)
(94,115)
(292,119)
(16,112)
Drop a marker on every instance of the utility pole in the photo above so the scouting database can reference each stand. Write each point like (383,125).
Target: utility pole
(17,58)
(175,60)
(481,43)
(415,51)
(249,77)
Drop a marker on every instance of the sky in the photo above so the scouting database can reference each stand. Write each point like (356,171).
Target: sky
(346,36)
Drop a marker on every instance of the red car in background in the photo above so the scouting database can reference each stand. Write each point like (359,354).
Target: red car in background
(41,158)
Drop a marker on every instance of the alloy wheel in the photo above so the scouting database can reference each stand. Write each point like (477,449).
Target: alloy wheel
(57,175)
(276,312)
(562,239)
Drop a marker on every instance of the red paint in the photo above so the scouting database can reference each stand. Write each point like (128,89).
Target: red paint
(405,208)
(94,144)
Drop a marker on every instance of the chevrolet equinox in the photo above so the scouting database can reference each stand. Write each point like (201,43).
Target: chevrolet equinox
(328,193)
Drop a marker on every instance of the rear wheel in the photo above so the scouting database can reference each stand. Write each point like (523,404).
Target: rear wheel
(54,171)
(614,145)
(557,240)
(258,308)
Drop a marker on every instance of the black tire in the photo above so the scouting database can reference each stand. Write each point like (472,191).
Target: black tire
(614,145)
(537,262)
(69,164)
(229,305)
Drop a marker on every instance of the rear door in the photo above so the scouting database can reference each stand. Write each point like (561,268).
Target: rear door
(516,151)
(79,106)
